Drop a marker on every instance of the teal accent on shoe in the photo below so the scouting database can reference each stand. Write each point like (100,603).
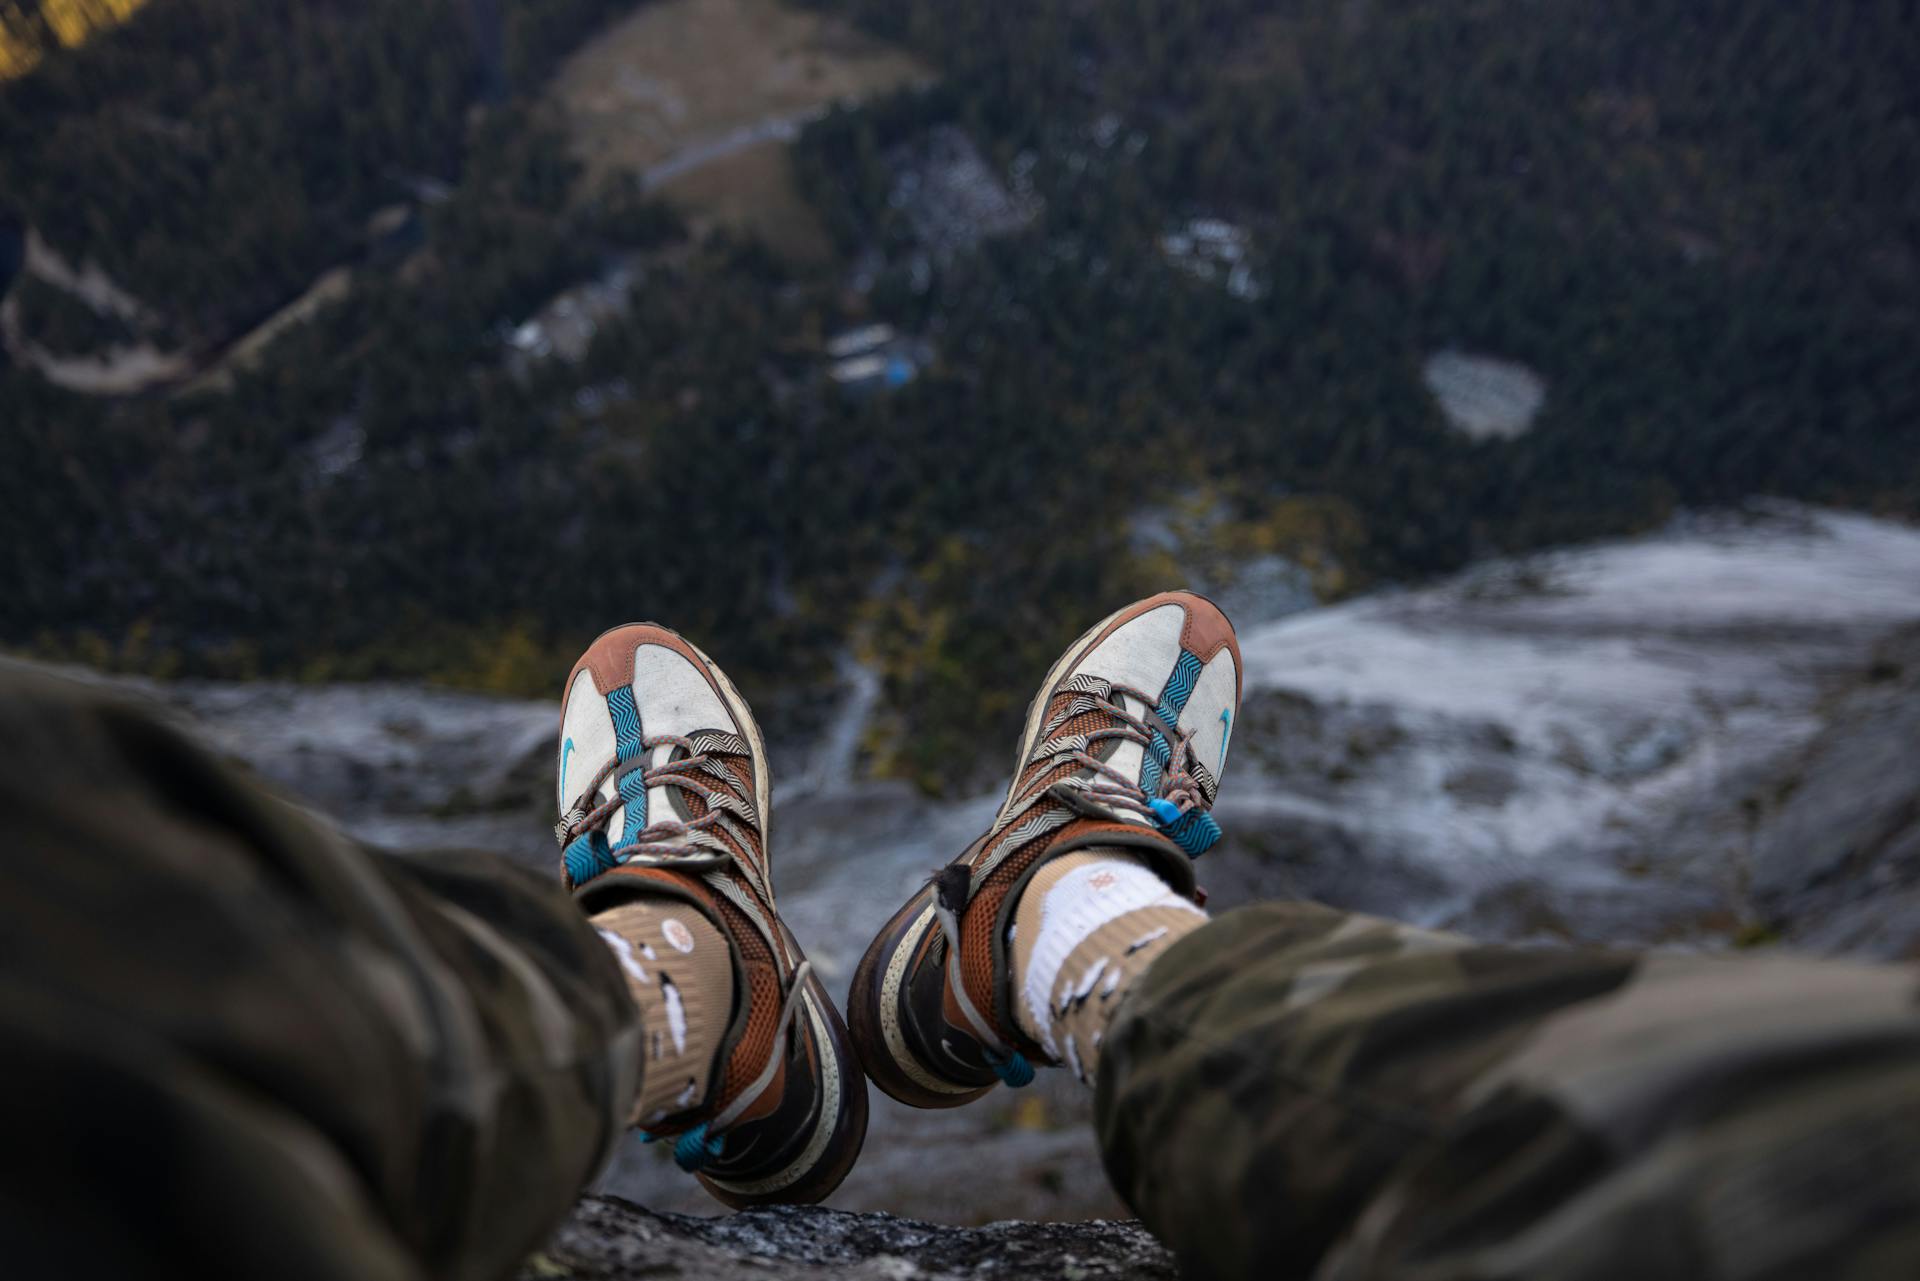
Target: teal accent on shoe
(694,1149)
(1013,1069)
(588,856)
(1195,832)
(1173,701)
(627,746)
(626,722)
(1226,732)
(566,750)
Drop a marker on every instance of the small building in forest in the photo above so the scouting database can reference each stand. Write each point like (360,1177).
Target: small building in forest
(875,358)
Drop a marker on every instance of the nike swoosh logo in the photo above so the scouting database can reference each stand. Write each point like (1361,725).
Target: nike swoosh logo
(1226,722)
(566,750)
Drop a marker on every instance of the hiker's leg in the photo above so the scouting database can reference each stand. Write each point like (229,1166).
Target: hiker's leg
(238,1045)
(1292,1091)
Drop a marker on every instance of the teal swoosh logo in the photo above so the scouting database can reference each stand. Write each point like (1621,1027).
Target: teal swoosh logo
(1226,721)
(566,750)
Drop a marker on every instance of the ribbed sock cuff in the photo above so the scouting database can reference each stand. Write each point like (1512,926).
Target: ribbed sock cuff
(680,974)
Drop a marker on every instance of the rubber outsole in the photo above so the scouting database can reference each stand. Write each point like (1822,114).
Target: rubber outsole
(865,1002)
(850,1134)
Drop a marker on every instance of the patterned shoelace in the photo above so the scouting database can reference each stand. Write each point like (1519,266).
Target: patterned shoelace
(1179,805)
(663,842)
(691,847)
(1181,808)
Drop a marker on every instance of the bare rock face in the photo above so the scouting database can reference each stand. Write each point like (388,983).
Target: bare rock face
(617,1240)
(1699,738)
(1836,851)
(396,765)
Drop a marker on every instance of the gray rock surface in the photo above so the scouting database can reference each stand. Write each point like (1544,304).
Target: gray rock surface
(1700,739)
(616,1240)
(1836,848)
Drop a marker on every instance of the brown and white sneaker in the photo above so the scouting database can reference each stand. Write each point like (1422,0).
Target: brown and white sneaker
(663,790)
(1123,748)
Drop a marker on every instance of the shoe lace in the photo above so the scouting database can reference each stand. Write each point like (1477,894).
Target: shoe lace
(1180,805)
(669,842)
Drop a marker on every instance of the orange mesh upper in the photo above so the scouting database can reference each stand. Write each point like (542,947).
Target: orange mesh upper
(977,926)
(763,995)
(760,968)
(1085,723)
(742,770)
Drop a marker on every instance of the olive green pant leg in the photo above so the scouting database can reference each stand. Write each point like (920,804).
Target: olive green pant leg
(1294,1092)
(237,1044)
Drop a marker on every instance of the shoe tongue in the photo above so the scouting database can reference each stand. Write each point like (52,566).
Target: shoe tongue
(666,802)
(1128,759)
(661,803)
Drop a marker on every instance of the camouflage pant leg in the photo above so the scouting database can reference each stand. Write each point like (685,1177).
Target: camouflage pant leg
(235,1044)
(1293,1092)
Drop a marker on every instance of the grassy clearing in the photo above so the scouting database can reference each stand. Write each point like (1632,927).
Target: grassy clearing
(753,190)
(679,76)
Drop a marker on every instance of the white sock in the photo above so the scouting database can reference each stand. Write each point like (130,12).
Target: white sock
(1086,926)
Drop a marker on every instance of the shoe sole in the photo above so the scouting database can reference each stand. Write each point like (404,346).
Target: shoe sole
(877,1038)
(873,998)
(838,1136)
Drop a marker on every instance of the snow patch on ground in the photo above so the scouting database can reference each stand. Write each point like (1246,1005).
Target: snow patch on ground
(1485,397)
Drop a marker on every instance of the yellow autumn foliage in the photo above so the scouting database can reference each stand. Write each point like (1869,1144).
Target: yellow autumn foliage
(71,22)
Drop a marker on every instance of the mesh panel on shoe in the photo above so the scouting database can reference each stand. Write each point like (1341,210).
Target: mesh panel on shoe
(1084,723)
(759,966)
(1087,722)
(976,937)
(742,790)
(1043,777)
(977,926)
(763,996)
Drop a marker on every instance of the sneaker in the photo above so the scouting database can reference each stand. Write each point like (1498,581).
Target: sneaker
(663,788)
(1123,746)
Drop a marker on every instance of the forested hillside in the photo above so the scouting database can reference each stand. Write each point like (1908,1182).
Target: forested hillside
(1699,222)
(214,155)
